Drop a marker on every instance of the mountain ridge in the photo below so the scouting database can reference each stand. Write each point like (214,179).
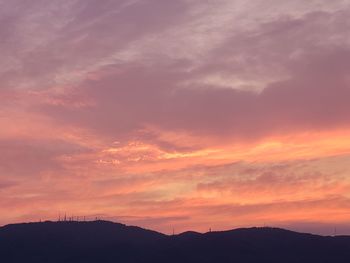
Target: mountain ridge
(104,241)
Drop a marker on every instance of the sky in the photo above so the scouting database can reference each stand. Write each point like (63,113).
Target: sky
(176,114)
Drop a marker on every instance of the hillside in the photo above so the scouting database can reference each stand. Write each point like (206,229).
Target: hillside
(103,241)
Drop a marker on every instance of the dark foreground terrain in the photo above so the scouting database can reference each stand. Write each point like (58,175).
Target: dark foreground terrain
(103,242)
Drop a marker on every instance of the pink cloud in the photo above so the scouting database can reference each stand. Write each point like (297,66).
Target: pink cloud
(313,99)
(125,107)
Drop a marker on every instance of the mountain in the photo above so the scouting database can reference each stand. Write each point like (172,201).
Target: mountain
(103,241)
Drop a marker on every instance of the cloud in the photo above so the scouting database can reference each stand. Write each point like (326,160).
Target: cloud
(31,158)
(311,99)
(57,42)
(7,184)
(252,183)
(202,112)
(272,78)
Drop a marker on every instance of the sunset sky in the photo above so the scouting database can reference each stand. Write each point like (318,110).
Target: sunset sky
(184,114)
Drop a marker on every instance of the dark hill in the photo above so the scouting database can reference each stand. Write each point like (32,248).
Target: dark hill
(102,241)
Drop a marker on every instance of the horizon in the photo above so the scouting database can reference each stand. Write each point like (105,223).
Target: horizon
(168,234)
(185,113)
(332,232)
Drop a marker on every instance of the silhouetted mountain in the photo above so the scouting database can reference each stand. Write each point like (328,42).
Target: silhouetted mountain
(102,241)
